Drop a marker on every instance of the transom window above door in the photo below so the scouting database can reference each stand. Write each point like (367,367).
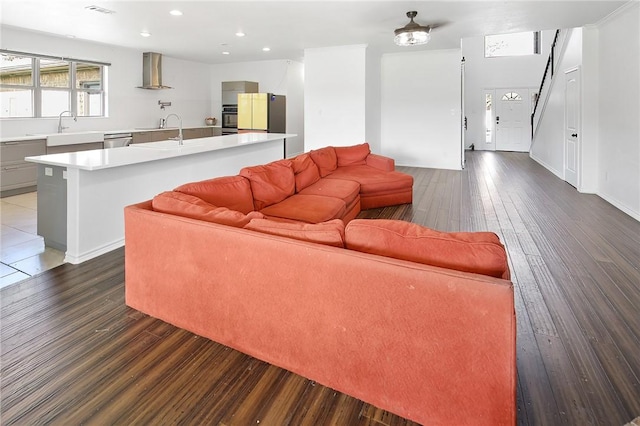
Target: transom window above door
(511,96)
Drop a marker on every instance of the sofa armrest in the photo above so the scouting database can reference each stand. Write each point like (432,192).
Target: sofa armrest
(381,162)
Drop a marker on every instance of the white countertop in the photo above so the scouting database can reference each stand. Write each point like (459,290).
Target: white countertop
(140,153)
(31,137)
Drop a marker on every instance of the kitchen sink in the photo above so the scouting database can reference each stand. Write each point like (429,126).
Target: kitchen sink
(58,139)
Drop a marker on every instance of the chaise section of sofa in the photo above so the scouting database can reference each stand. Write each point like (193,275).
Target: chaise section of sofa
(380,184)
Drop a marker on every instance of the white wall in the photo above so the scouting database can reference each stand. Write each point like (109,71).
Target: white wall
(547,148)
(488,73)
(421,108)
(373,100)
(619,128)
(129,107)
(588,149)
(295,108)
(280,77)
(335,100)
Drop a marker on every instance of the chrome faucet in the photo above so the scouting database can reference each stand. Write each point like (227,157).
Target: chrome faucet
(60,128)
(179,128)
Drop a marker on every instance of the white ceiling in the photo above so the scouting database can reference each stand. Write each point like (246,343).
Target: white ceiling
(288,27)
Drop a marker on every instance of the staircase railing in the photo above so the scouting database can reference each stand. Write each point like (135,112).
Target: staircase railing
(548,71)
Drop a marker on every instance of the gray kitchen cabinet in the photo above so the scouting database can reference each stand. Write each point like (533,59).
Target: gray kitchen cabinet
(75,147)
(52,205)
(163,135)
(140,137)
(240,86)
(191,134)
(18,176)
(198,132)
(231,89)
(153,136)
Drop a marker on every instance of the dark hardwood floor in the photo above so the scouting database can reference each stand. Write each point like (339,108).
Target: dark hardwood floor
(73,353)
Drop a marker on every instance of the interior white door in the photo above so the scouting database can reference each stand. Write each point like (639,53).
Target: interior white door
(513,124)
(572,111)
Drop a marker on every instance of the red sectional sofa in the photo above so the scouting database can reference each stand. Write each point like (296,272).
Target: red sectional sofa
(414,321)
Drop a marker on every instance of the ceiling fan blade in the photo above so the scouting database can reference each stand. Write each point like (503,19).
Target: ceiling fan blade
(436,25)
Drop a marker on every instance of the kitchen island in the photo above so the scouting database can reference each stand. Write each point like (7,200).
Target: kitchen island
(81,195)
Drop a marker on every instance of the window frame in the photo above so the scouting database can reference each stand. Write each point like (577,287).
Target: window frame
(537,40)
(37,89)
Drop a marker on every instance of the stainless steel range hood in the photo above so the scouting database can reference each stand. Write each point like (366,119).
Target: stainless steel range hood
(152,71)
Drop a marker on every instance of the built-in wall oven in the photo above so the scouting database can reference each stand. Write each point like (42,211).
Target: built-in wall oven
(229,119)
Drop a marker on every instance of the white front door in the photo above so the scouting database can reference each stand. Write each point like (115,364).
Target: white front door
(571,125)
(513,120)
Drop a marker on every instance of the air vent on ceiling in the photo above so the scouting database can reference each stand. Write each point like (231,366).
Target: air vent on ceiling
(100,10)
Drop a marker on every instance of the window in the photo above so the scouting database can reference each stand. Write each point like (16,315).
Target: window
(16,83)
(511,96)
(488,118)
(43,86)
(516,44)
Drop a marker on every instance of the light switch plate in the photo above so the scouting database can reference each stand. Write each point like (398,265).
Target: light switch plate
(48,171)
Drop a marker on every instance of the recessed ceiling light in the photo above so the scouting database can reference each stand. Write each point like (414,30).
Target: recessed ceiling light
(70,36)
(145,34)
(240,34)
(225,53)
(266,49)
(176,12)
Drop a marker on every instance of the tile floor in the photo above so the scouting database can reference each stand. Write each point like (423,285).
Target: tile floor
(22,250)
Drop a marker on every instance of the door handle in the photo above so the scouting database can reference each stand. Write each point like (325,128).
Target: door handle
(497,119)
(574,135)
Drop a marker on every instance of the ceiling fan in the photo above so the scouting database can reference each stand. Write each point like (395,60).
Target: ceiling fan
(413,34)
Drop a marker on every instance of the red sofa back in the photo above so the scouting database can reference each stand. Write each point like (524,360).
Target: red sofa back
(435,346)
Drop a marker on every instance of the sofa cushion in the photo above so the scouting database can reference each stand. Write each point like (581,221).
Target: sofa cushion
(270,183)
(233,192)
(374,181)
(329,233)
(180,204)
(307,208)
(352,155)
(477,252)
(325,159)
(381,162)
(346,190)
(305,170)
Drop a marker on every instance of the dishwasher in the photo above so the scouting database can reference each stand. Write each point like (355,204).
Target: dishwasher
(117,140)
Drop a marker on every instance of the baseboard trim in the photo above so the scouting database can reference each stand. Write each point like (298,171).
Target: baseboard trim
(619,205)
(83,257)
(546,166)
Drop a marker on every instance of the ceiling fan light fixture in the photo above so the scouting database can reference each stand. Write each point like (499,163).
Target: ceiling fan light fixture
(412,34)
